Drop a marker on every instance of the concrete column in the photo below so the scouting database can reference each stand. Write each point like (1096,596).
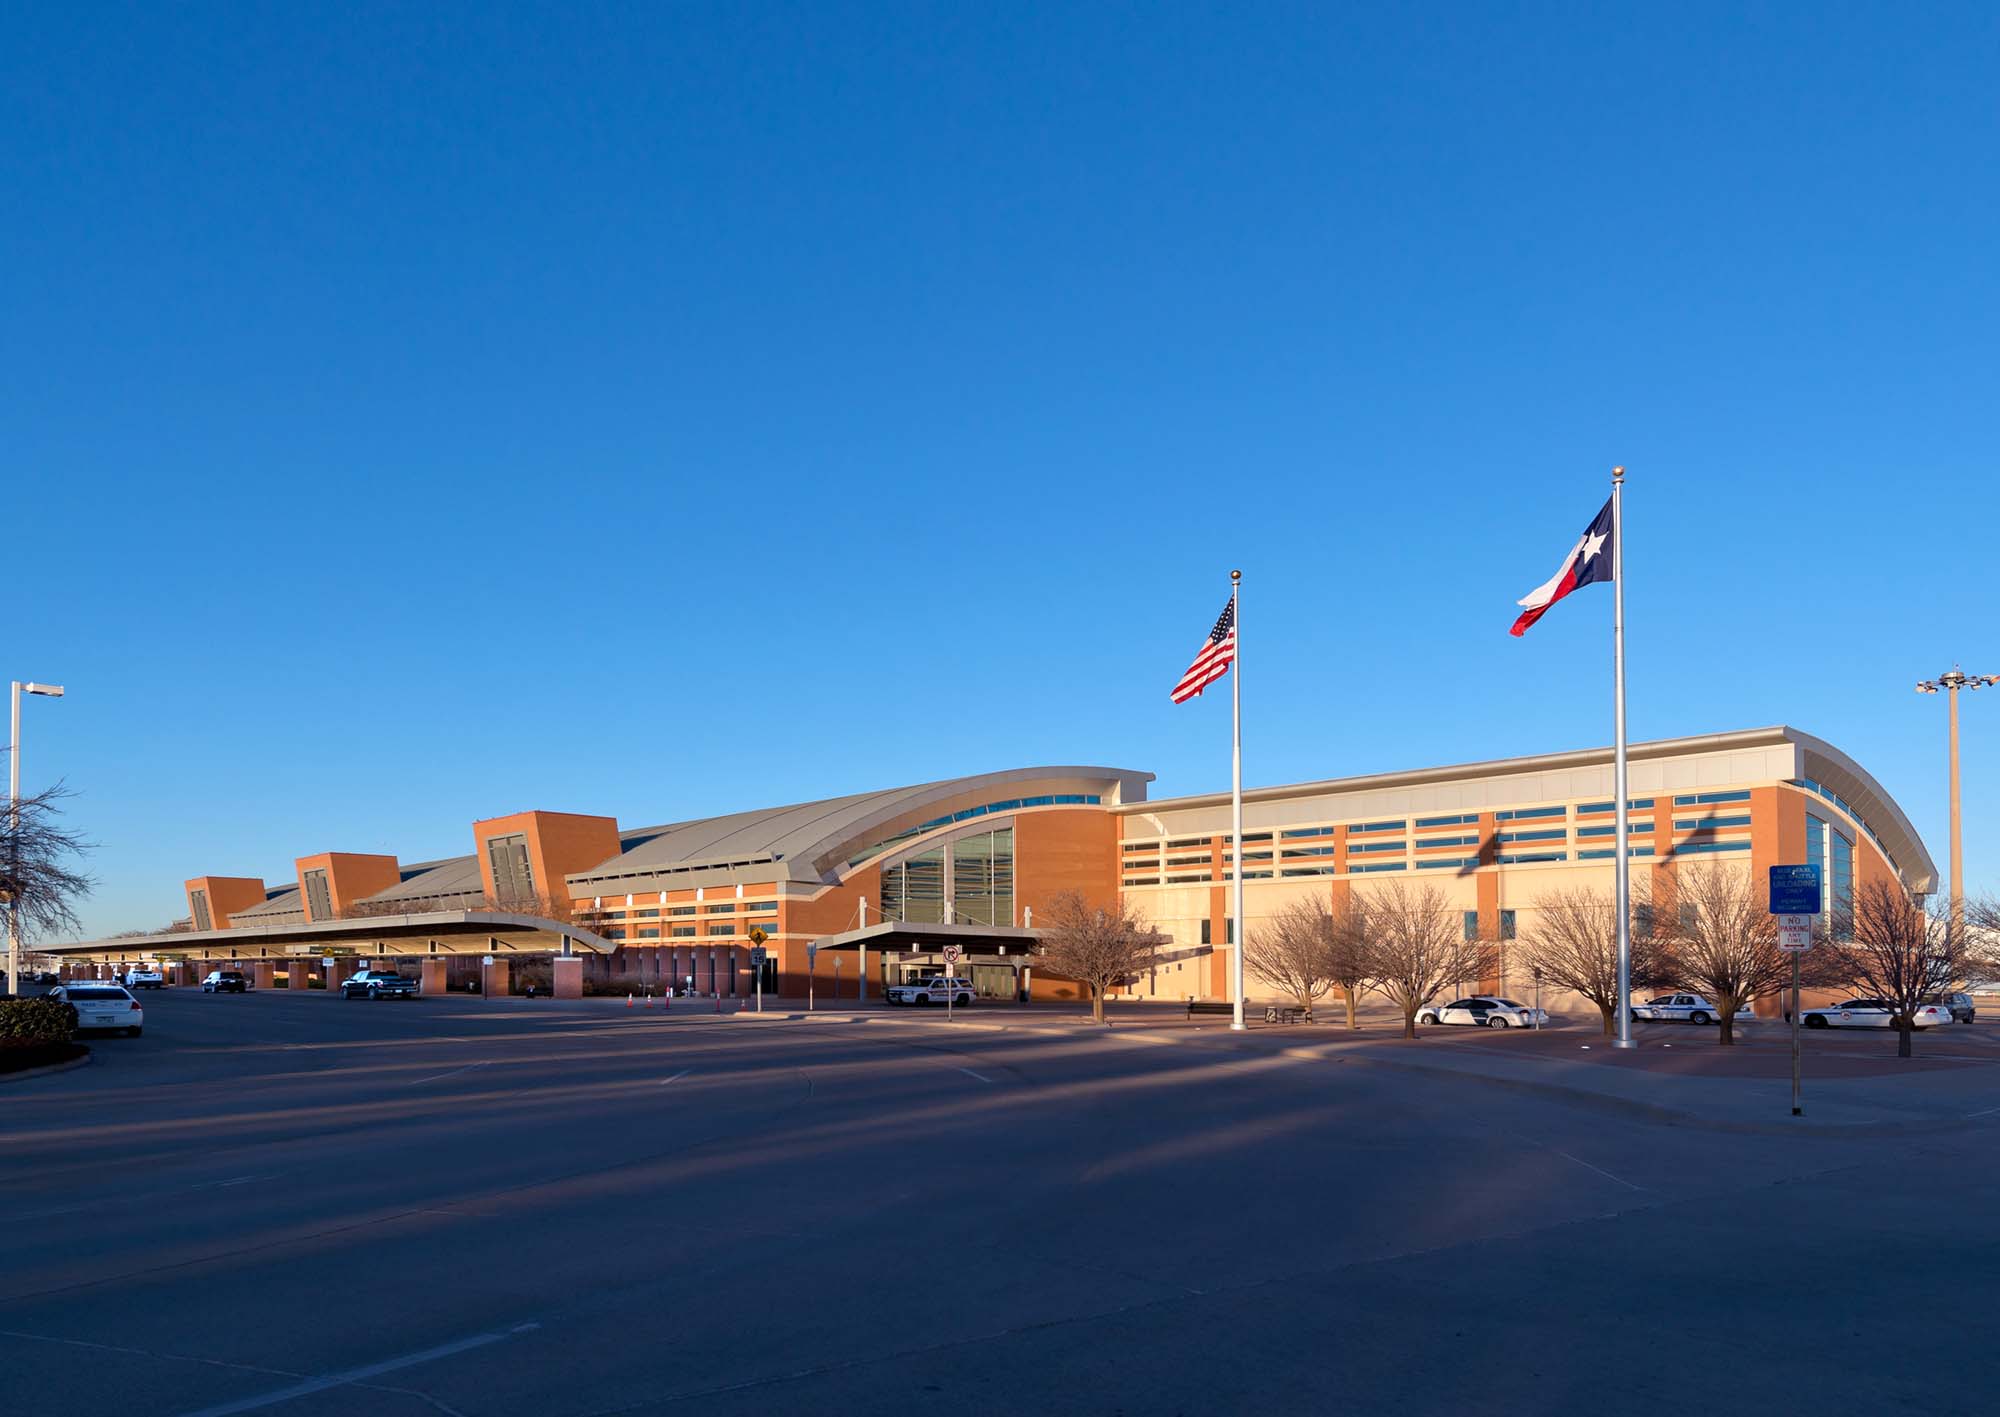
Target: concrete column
(298,972)
(263,974)
(569,976)
(342,971)
(431,975)
(493,977)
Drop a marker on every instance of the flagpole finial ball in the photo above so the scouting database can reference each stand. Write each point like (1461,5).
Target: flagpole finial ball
(1617,474)
(1236,575)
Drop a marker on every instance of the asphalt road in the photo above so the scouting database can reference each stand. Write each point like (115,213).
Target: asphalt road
(286,1204)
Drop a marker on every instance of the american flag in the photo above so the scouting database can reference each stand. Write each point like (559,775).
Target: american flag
(1215,658)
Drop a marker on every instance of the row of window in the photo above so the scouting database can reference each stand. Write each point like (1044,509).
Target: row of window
(1011,804)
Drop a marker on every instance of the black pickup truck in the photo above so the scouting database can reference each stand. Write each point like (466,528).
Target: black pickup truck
(378,984)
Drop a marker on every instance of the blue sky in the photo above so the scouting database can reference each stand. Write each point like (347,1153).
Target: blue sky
(418,413)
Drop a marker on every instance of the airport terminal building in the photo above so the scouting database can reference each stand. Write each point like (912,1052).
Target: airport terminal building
(863,890)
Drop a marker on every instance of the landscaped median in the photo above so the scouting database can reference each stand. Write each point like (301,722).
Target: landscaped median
(37,1034)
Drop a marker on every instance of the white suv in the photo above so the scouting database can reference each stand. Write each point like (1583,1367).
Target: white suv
(934,990)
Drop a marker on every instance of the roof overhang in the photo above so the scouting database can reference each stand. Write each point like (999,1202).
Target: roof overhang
(906,935)
(403,934)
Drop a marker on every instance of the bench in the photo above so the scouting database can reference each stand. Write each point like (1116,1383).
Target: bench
(1287,1013)
(1205,1006)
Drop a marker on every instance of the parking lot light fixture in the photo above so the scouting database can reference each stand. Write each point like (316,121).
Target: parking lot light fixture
(48,691)
(1950,684)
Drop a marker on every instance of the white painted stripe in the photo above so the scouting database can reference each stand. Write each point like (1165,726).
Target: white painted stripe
(450,1073)
(681,1074)
(355,1375)
(971,1074)
(1598,1169)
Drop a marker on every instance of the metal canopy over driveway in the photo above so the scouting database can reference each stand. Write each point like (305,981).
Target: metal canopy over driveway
(438,932)
(998,959)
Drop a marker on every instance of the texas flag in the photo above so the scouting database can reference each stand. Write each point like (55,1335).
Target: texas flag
(1588,561)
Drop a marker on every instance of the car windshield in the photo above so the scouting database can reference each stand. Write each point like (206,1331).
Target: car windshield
(94,993)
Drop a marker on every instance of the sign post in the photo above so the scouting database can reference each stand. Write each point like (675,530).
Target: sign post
(757,938)
(1795,900)
(812,967)
(952,955)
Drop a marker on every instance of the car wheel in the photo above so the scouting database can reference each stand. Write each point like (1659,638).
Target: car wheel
(1496,1021)
(964,1000)
(1816,1021)
(1698,1017)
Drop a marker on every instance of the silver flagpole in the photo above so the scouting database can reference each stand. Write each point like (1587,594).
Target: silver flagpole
(1624,1038)
(1236,796)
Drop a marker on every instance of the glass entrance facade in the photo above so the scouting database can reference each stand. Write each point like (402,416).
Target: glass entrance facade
(967,881)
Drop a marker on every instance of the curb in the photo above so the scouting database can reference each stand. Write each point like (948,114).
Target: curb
(51,1068)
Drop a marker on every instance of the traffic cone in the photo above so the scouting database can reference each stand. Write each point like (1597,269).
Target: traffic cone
(628,1000)
(649,999)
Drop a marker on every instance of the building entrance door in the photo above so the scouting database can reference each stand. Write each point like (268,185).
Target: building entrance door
(993,981)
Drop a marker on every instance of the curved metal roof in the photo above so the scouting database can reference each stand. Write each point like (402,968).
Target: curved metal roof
(811,841)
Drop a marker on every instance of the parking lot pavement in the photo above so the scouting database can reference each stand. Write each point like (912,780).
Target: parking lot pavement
(279,1203)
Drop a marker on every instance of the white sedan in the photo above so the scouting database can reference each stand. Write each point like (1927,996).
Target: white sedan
(1483,1011)
(1873,1013)
(107,1006)
(1683,1008)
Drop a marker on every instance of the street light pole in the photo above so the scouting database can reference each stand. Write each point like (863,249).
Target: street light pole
(1950,684)
(52,691)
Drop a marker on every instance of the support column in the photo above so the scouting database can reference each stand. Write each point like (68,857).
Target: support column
(493,977)
(263,974)
(569,977)
(298,972)
(341,971)
(431,975)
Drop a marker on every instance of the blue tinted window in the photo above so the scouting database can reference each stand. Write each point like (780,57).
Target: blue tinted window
(1451,840)
(1611,828)
(1533,856)
(1378,866)
(1696,824)
(1471,820)
(1687,848)
(1522,813)
(1612,852)
(1632,804)
(1375,846)
(1704,799)
(1440,863)
(1534,836)
(1377,827)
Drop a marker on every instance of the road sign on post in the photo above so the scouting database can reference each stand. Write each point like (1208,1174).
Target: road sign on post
(812,967)
(757,938)
(1795,890)
(952,955)
(1795,900)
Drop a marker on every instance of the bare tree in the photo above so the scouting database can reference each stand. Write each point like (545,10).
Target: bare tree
(1982,941)
(1892,948)
(1351,965)
(1573,941)
(1094,945)
(1294,952)
(1416,946)
(38,870)
(1718,936)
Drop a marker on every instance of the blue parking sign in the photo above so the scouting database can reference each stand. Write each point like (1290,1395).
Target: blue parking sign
(1795,890)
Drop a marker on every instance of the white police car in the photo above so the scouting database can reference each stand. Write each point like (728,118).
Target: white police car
(1683,1008)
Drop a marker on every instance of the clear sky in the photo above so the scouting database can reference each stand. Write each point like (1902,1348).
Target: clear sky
(416,413)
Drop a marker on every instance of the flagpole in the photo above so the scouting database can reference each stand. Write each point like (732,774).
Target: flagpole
(1624,873)
(1236,798)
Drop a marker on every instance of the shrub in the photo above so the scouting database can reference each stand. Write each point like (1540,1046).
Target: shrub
(35,1023)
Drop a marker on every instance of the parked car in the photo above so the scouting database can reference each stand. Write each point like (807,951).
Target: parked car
(934,990)
(1684,1008)
(378,984)
(1484,1011)
(145,979)
(1961,1006)
(225,981)
(107,1006)
(1872,1013)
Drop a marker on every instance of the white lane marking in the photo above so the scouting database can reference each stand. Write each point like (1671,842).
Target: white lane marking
(1598,1169)
(452,1072)
(681,1074)
(971,1074)
(1987,1113)
(355,1375)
